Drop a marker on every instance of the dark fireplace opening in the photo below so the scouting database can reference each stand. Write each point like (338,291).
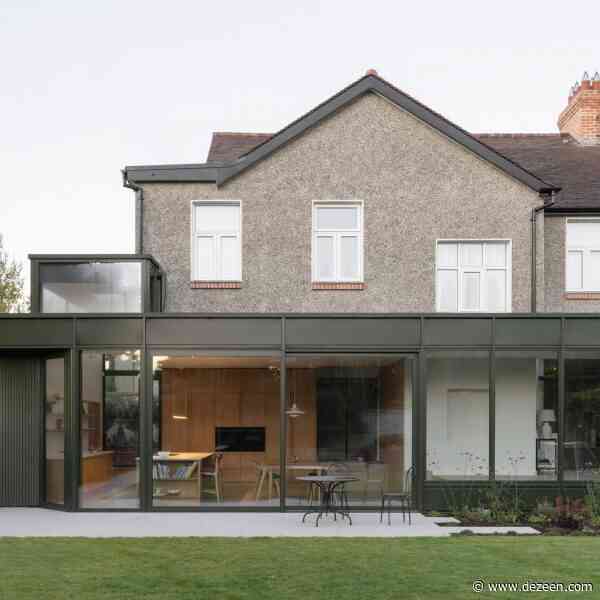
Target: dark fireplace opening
(240,439)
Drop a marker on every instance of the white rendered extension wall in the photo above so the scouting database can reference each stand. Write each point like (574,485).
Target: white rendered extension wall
(458,423)
(518,398)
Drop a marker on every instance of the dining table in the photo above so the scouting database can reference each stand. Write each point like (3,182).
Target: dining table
(330,486)
(267,472)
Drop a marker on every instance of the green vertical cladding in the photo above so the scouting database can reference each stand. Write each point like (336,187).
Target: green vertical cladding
(20,428)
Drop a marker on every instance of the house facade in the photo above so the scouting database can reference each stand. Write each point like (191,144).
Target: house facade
(371,290)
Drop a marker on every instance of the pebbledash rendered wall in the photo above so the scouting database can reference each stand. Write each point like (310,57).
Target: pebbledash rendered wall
(555,271)
(417,186)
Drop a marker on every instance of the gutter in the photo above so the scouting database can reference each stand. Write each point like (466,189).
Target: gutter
(534,213)
(139,209)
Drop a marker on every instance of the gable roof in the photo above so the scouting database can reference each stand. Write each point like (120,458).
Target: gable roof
(221,170)
(227,146)
(558,158)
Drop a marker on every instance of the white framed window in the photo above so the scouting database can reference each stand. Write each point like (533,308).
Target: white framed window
(583,255)
(473,276)
(216,241)
(337,241)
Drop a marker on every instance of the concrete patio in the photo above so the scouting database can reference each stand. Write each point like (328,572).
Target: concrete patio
(37,522)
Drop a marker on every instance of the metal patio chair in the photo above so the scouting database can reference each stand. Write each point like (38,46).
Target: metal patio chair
(404,498)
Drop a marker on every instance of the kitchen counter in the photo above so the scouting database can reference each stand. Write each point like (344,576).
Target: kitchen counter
(96,467)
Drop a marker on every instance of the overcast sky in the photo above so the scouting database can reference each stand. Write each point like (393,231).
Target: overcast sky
(88,87)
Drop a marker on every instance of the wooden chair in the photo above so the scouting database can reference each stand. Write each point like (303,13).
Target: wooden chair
(374,478)
(213,471)
(265,472)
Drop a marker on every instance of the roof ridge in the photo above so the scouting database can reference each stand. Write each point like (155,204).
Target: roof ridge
(248,133)
(519,135)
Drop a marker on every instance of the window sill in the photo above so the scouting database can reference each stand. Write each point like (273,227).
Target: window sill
(335,286)
(216,285)
(582,296)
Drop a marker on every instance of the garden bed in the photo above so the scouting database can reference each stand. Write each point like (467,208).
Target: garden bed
(503,506)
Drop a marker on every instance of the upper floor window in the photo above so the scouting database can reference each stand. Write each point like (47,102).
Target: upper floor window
(216,241)
(337,244)
(473,276)
(583,255)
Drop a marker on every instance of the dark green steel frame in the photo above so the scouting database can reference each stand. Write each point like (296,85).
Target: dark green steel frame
(285,334)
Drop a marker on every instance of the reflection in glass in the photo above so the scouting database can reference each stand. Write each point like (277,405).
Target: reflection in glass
(349,415)
(457,415)
(55,430)
(582,418)
(110,415)
(526,415)
(91,287)
(216,422)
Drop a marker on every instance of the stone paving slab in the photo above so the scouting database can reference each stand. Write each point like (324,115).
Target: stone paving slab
(38,522)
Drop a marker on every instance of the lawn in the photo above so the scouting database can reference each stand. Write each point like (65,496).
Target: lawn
(286,569)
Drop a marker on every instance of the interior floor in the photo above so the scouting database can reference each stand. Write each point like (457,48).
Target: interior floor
(121,491)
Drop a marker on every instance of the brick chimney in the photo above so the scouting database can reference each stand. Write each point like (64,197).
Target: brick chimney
(581,118)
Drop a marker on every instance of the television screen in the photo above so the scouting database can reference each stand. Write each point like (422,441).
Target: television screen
(240,439)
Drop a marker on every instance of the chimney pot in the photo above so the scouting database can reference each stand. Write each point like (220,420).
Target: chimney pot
(372,72)
(581,118)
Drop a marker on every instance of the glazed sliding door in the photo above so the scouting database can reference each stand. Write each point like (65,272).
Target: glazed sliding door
(350,415)
(216,430)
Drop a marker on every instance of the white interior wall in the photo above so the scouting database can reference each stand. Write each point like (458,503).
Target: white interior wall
(462,451)
(516,416)
(457,417)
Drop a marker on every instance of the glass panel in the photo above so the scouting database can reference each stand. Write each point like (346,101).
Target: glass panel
(457,415)
(526,415)
(110,414)
(582,418)
(574,270)
(217,217)
(349,257)
(216,431)
(583,233)
(91,287)
(348,415)
(495,254)
(471,255)
(337,217)
(592,271)
(448,290)
(205,257)
(471,291)
(55,430)
(496,290)
(448,254)
(230,258)
(325,258)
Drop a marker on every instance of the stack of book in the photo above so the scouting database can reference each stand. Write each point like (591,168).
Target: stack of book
(162,471)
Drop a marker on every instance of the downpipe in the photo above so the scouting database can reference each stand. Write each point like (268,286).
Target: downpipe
(534,213)
(139,201)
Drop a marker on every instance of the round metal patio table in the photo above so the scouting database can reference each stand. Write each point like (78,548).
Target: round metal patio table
(328,485)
